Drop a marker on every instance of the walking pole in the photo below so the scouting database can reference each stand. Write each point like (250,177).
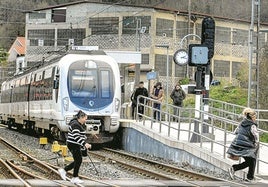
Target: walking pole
(92,163)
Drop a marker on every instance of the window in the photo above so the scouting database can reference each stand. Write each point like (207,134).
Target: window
(223,35)
(164,26)
(130,24)
(221,68)
(180,71)
(161,64)
(20,66)
(58,15)
(104,25)
(145,58)
(240,37)
(83,83)
(65,34)
(235,68)
(47,35)
(105,84)
(37,15)
(182,29)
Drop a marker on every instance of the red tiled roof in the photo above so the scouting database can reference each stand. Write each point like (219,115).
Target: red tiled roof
(18,46)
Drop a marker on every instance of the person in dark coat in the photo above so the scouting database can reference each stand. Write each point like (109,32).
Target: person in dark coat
(177,95)
(75,142)
(139,91)
(245,144)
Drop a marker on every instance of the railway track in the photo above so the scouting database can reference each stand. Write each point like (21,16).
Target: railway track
(25,164)
(8,173)
(151,169)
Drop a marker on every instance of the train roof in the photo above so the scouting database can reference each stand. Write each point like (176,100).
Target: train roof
(44,63)
(87,52)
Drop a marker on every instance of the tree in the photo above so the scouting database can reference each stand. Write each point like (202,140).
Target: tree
(3,64)
(12,19)
(242,75)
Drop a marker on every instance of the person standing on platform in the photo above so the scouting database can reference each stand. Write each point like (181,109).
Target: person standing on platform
(140,91)
(246,145)
(177,95)
(133,104)
(157,94)
(75,142)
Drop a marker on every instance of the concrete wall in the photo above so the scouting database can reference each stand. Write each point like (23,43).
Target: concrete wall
(139,139)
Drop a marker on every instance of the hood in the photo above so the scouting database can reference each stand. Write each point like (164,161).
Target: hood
(247,122)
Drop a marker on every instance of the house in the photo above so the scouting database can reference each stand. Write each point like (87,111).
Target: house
(157,32)
(17,54)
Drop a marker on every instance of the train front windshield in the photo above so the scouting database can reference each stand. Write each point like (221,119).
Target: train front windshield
(90,84)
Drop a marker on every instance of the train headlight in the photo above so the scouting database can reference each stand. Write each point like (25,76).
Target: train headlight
(65,102)
(117,104)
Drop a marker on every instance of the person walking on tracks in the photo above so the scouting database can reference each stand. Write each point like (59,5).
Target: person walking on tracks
(75,141)
(245,144)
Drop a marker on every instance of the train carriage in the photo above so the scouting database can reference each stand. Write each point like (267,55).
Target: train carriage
(44,99)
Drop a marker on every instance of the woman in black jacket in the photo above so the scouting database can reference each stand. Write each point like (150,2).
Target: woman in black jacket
(177,95)
(76,141)
(245,144)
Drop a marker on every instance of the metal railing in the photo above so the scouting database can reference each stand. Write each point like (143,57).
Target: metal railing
(182,125)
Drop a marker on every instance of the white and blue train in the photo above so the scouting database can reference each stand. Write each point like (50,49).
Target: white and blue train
(43,100)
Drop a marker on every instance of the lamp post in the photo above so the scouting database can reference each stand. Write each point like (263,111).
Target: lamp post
(138,46)
(167,71)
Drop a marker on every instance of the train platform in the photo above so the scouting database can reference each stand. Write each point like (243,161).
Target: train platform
(129,183)
(176,146)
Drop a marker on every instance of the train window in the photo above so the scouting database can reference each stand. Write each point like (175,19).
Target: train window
(27,79)
(105,84)
(33,78)
(48,73)
(39,76)
(83,83)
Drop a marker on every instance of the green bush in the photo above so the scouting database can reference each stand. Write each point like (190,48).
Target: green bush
(230,94)
(264,137)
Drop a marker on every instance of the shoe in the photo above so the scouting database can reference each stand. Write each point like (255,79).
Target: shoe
(250,181)
(76,180)
(231,172)
(62,173)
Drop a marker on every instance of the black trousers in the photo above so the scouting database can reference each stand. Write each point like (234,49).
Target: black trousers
(133,111)
(250,163)
(157,113)
(77,156)
(140,110)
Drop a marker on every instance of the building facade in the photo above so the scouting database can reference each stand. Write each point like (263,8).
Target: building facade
(157,33)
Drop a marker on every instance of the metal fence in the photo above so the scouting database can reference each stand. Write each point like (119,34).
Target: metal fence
(180,124)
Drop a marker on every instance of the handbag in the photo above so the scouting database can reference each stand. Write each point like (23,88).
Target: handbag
(233,157)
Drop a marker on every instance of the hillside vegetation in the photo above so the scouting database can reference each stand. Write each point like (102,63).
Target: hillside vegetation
(12,12)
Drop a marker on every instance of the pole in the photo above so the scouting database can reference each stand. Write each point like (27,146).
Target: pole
(97,172)
(167,71)
(195,137)
(138,38)
(188,29)
(205,128)
(250,56)
(167,76)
